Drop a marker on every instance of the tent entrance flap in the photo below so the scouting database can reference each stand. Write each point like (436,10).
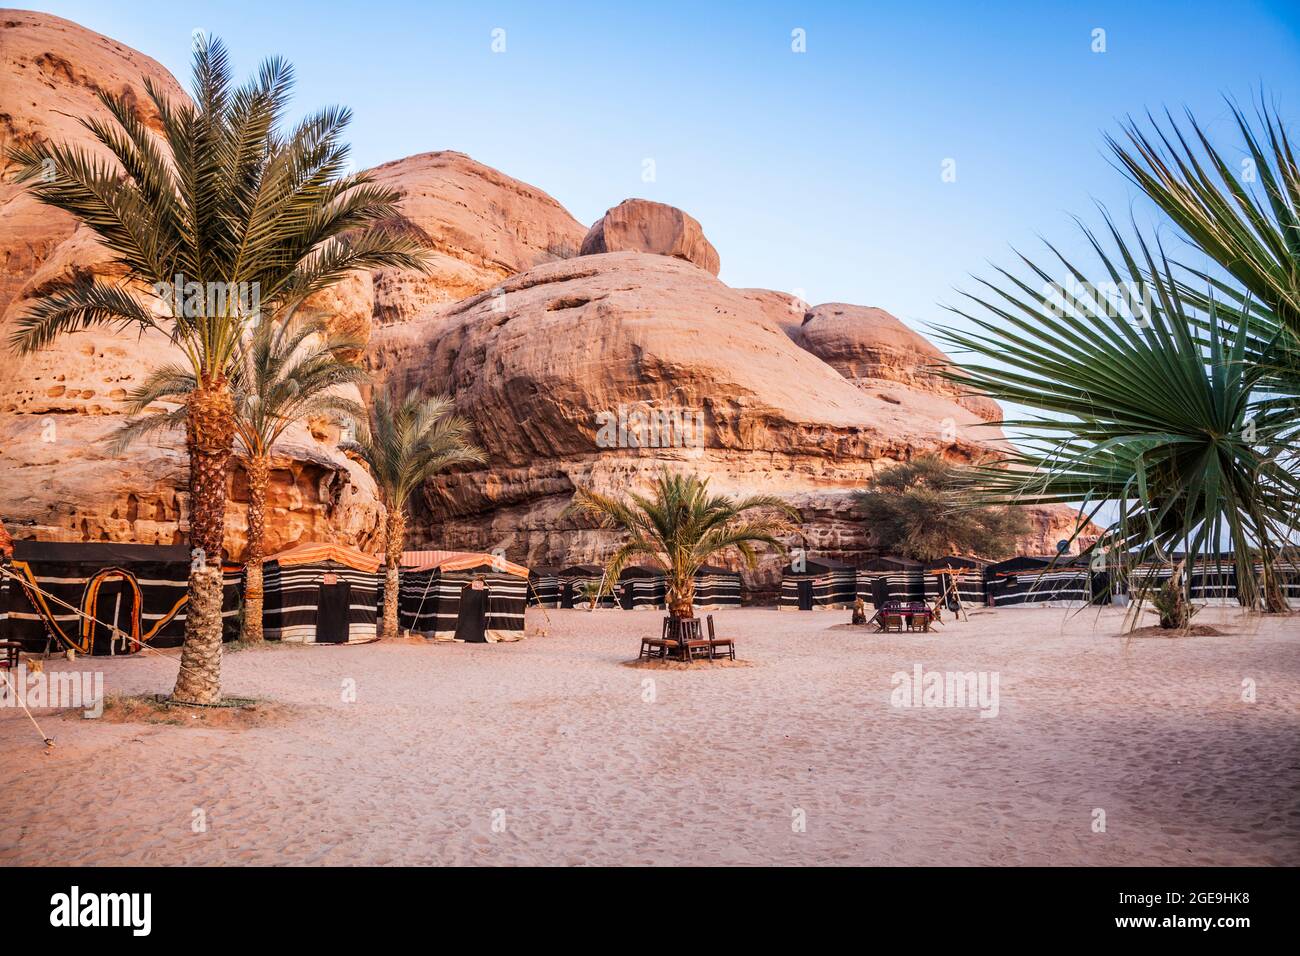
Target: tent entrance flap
(471,619)
(333,609)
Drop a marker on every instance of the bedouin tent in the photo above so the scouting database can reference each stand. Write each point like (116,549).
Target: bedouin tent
(957,580)
(889,578)
(575,579)
(1286,570)
(320,594)
(1059,581)
(544,587)
(642,588)
(716,588)
(1207,581)
(439,600)
(818,583)
(138,589)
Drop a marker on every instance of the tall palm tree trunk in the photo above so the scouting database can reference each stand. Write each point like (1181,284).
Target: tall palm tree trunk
(209,438)
(259,477)
(394,533)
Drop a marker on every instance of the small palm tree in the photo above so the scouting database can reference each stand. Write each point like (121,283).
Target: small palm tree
(288,372)
(680,526)
(226,216)
(406,443)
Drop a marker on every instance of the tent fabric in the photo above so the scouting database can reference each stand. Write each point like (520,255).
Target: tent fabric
(471,615)
(293,610)
(642,588)
(574,578)
(315,554)
(544,587)
(889,578)
(1039,580)
(139,589)
(716,588)
(967,576)
(819,583)
(430,603)
(460,561)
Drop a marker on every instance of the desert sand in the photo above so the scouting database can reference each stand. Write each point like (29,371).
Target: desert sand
(551,751)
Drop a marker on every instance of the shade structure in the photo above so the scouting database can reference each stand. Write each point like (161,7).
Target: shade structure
(544,587)
(1051,581)
(818,583)
(716,588)
(320,594)
(575,579)
(889,578)
(138,589)
(439,600)
(642,588)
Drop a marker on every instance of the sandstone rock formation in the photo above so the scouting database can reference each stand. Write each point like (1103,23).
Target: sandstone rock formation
(481,225)
(876,352)
(639,225)
(561,360)
(543,361)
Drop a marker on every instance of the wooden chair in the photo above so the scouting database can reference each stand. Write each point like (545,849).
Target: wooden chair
(9,651)
(688,637)
(717,644)
(652,647)
(890,621)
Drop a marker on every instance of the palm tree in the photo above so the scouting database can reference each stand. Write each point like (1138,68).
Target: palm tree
(287,372)
(680,525)
(1171,405)
(406,443)
(227,216)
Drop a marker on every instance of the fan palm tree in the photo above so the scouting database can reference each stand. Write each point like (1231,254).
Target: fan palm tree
(287,372)
(679,526)
(226,215)
(1173,406)
(407,442)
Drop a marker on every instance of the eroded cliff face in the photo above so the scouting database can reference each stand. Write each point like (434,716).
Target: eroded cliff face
(567,368)
(58,407)
(595,370)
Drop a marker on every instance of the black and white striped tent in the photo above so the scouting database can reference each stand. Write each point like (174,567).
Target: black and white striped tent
(1287,570)
(716,588)
(544,587)
(320,594)
(642,588)
(1208,582)
(138,589)
(439,599)
(818,583)
(575,579)
(959,580)
(1059,581)
(891,579)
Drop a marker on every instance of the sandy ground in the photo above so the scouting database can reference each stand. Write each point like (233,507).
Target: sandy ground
(552,752)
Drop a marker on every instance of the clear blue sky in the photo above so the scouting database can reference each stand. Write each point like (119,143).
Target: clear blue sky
(816,171)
